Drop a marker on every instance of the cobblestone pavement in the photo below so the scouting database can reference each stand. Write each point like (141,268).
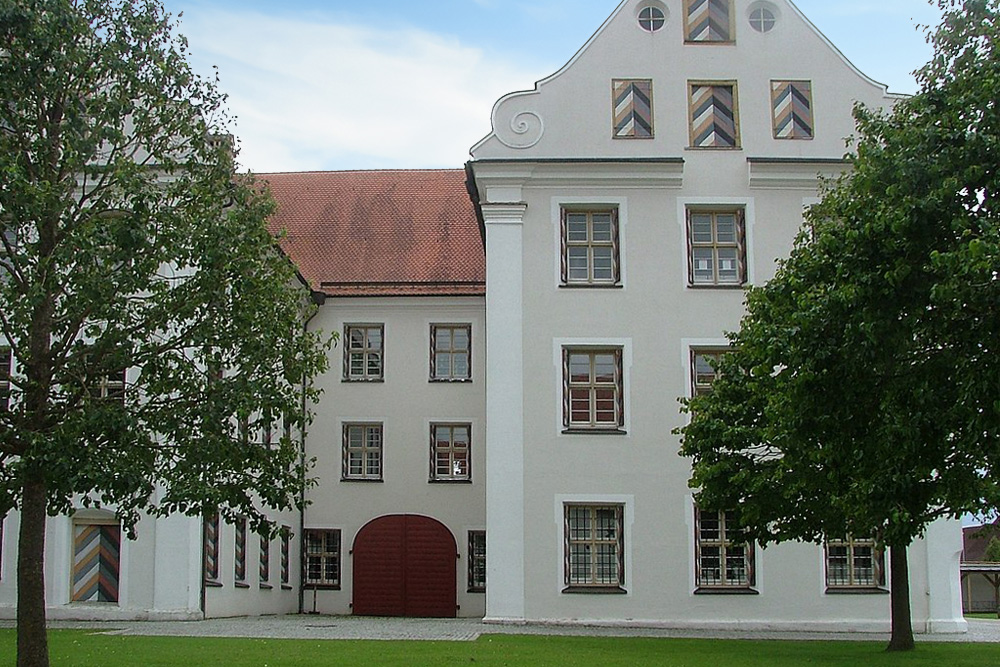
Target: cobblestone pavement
(307,626)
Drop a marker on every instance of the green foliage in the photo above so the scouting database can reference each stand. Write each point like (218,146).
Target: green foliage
(129,244)
(862,396)
(81,648)
(992,554)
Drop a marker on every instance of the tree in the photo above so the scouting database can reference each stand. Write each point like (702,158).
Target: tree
(860,397)
(131,251)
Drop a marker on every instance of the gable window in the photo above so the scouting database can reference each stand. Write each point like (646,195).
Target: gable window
(632,101)
(762,17)
(708,20)
(651,18)
(5,366)
(450,452)
(594,547)
(322,558)
(210,549)
(714,115)
(240,552)
(362,459)
(286,548)
(791,105)
(703,373)
(363,353)
(593,389)
(724,560)
(716,247)
(590,246)
(854,563)
(451,352)
(477,561)
(265,561)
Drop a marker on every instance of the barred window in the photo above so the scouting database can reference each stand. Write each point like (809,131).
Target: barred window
(451,448)
(451,351)
(477,561)
(322,558)
(590,253)
(854,562)
(724,559)
(594,549)
(362,452)
(593,389)
(363,351)
(716,247)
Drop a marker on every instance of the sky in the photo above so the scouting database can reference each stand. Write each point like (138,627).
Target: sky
(338,84)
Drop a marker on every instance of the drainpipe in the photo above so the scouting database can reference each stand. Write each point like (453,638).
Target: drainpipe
(318,299)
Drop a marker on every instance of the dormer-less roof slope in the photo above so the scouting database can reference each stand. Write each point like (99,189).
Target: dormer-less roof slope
(381,233)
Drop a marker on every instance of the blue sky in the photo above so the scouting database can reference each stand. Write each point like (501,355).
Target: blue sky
(340,84)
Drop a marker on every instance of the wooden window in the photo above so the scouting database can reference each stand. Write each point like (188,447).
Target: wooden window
(714,115)
(590,252)
(594,550)
(708,20)
(286,548)
(451,352)
(716,247)
(362,458)
(6,361)
(322,558)
(792,109)
(632,108)
(854,562)
(363,352)
(110,387)
(593,389)
(723,557)
(451,451)
(703,364)
(265,561)
(477,561)
(240,551)
(210,548)
(651,19)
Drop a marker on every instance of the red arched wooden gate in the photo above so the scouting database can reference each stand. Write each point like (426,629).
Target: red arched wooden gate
(404,565)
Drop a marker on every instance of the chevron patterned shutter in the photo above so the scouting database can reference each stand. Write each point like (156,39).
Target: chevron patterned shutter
(713,116)
(741,244)
(791,103)
(211,547)
(96,549)
(632,101)
(616,247)
(709,21)
(566,397)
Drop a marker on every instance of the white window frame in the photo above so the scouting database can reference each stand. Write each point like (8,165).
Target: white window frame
(627,501)
(625,344)
(557,205)
(712,203)
(365,424)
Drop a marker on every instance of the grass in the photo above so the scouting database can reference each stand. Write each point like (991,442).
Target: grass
(983,615)
(82,648)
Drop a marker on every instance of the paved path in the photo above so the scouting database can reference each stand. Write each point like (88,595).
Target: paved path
(359,627)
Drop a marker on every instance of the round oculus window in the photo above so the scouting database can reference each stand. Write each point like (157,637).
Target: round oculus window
(651,18)
(762,19)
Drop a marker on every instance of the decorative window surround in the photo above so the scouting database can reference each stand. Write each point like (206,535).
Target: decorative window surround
(745,204)
(590,249)
(620,346)
(716,242)
(364,352)
(854,565)
(240,552)
(451,453)
(560,206)
(362,452)
(210,549)
(451,353)
(724,561)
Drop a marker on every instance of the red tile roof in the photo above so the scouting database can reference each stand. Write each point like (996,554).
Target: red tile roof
(381,233)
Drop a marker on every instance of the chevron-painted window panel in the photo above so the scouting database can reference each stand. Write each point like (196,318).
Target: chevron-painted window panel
(633,108)
(96,549)
(709,21)
(713,116)
(791,102)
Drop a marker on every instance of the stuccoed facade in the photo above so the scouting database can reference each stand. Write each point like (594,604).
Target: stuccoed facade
(627,199)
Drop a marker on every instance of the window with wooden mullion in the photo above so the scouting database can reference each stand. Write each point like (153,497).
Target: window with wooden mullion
(704,362)
(854,563)
(450,449)
(724,559)
(5,367)
(590,247)
(477,561)
(594,548)
(451,346)
(322,558)
(362,452)
(593,389)
(363,353)
(716,249)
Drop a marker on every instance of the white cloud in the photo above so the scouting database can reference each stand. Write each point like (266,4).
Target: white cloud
(322,95)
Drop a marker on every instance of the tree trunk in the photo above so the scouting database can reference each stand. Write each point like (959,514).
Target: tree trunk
(902,626)
(32,640)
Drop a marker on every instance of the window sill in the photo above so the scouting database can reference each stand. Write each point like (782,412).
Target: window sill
(594,431)
(449,481)
(266,587)
(363,380)
(450,380)
(241,584)
(856,590)
(211,583)
(476,590)
(725,590)
(361,480)
(321,587)
(724,286)
(595,590)
(599,286)
(286,587)
(714,148)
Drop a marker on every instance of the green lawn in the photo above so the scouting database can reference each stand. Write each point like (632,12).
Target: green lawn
(983,616)
(79,648)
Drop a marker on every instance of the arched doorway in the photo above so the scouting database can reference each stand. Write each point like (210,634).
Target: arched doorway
(404,565)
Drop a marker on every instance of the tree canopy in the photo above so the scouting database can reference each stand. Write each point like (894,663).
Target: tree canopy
(154,327)
(862,393)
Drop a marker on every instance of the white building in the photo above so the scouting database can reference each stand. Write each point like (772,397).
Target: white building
(528,397)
